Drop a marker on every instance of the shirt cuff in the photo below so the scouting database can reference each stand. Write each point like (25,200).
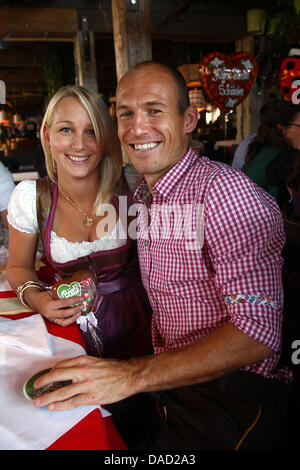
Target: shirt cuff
(260,322)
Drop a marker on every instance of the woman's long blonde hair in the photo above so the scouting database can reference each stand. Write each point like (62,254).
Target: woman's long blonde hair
(110,167)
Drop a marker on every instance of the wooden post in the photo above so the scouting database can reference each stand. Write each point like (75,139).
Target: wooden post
(85,66)
(132,41)
(139,34)
(132,35)
(248,111)
(120,36)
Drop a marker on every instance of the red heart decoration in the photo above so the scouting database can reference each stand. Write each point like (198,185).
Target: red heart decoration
(227,80)
(289,73)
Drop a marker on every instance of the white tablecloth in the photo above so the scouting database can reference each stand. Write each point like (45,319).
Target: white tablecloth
(22,425)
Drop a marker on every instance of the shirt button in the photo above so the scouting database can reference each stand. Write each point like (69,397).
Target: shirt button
(147,277)
(146,242)
(154,312)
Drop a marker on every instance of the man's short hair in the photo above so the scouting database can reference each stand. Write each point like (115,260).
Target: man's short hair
(183,95)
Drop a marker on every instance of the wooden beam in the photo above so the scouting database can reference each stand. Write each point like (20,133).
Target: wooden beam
(39,39)
(132,35)
(139,34)
(86,69)
(41,22)
(119,15)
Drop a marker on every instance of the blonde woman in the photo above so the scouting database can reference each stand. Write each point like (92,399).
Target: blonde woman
(84,166)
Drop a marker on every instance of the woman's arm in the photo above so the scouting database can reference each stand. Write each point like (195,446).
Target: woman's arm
(21,268)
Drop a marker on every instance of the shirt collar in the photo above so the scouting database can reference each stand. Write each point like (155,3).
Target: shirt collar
(168,182)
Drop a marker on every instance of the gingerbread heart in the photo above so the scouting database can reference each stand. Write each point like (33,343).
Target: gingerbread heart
(227,80)
(81,284)
(289,75)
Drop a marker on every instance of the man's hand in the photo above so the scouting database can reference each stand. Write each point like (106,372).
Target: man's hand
(95,381)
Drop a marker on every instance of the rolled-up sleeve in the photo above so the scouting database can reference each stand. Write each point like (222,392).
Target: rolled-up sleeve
(245,235)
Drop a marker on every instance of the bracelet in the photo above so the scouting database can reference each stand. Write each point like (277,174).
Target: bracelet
(22,287)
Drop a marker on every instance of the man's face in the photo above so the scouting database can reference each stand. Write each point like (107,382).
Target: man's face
(152,132)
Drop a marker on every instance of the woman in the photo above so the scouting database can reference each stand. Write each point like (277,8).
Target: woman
(84,165)
(83,160)
(277,134)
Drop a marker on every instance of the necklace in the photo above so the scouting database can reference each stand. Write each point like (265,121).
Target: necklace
(89,221)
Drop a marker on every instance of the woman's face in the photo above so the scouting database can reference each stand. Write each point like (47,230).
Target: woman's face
(72,140)
(292,132)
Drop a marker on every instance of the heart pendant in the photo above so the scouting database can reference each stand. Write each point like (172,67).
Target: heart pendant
(88,222)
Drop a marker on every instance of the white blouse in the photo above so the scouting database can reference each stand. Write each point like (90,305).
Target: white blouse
(22,216)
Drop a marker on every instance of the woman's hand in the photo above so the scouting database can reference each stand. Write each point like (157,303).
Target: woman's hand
(62,312)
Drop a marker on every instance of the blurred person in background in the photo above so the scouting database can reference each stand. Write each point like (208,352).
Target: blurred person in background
(240,154)
(278,134)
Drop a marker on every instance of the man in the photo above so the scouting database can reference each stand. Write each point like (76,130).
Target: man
(216,302)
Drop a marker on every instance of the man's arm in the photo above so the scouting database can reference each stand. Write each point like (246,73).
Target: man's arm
(104,381)
(244,235)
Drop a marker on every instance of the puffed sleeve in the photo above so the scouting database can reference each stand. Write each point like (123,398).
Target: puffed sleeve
(21,211)
(7,186)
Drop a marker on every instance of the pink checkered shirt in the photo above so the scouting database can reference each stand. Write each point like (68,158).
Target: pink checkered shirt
(230,273)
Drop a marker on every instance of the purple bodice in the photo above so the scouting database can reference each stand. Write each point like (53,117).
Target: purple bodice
(123,312)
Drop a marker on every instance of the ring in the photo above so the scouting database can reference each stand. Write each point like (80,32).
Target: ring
(56,320)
